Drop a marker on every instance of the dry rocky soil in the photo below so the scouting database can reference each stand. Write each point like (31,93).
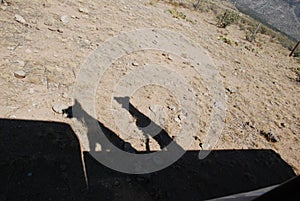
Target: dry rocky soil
(44,43)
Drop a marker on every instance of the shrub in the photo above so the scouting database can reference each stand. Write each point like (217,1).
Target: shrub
(227,40)
(177,14)
(227,18)
(297,71)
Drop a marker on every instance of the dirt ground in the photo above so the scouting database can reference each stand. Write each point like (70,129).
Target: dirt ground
(56,37)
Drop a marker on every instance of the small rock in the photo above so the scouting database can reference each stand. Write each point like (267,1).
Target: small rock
(12,116)
(181,117)
(52,28)
(3,7)
(86,42)
(28,51)
(11,48)
(154,109)
(237,61)
(60,31)
(20,74)
(270,136)
(177,119)
(64,19)
(84,10)
(283,125)
(171,107)
(197,138)
(230,90)
(170,58)
(135,64)
(59,108)
(49,21)
(31,90)
(21,63)
(20,19)
(227,138)
(65,95)
(250,124)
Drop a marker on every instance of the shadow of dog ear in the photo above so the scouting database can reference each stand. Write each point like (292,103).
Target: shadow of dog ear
(68,112)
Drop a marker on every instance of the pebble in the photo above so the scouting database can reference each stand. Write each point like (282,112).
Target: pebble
(20,19)
(237,61)
(65,95)
(31,90)
(52,29)
(20,74)
(171,107)
(270,136)
(58,108)
(12,116)
(154,109)
(28,51)
(84,10)
(49,21)
(135,64)
(230,90)
(177,120)
(170,58)
(3,7)
(64,19)
(181,117)
(197,138)
(60,30)
(283,125)
(11,48)
(21,63)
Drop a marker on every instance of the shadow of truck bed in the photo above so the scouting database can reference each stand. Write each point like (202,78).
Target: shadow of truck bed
(42,161)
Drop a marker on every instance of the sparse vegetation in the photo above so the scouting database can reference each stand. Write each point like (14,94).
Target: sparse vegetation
(297,71)
(227,40)
(152,2)
(250,36)
(177,14)
(227,18)
(249,25)
(180,15)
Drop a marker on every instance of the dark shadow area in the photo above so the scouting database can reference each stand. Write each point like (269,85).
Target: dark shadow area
(42,161)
